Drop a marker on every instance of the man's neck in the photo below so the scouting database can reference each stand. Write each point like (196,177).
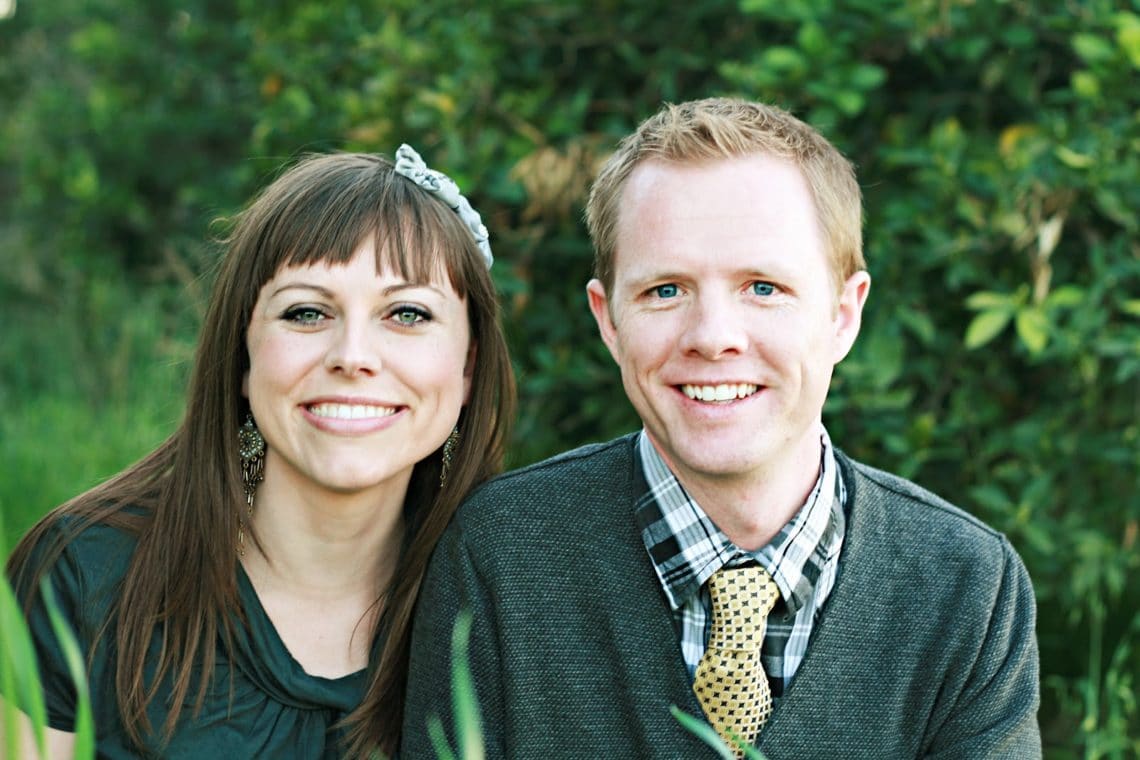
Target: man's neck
(751,510)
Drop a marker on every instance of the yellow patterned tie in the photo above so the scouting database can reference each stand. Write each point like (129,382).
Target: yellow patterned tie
(730,682)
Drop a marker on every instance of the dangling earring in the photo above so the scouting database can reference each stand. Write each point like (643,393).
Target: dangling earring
(251,449)
(448,451)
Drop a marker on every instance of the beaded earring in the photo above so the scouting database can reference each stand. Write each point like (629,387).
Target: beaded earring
(251,449)
(449,447)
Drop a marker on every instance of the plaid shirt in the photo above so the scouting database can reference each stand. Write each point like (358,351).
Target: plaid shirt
(686,548)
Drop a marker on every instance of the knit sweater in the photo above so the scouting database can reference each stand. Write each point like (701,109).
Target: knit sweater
(925,648)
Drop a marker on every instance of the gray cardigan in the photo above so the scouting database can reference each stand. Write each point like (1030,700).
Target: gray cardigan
(925,648)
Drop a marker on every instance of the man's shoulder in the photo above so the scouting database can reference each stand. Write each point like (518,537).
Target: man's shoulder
(914,515)
(593,474)
(582,467)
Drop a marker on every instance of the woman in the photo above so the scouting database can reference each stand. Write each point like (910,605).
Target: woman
(246,590)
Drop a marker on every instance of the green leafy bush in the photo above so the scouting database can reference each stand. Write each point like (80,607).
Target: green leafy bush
(998,145)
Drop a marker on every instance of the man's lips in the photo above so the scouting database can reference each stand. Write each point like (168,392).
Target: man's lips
(719,391)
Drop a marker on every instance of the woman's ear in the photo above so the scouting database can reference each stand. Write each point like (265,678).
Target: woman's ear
(469,372)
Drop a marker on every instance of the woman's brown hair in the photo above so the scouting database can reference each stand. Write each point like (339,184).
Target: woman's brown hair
(183,500)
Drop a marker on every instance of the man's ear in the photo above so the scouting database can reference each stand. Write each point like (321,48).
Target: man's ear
(849,313)
(600,307)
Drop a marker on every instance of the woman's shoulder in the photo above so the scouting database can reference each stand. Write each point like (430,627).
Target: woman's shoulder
(85,557)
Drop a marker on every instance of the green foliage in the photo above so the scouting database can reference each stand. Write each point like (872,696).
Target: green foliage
(998,145)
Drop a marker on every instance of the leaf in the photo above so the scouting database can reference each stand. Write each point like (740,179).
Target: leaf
(785,59)
(709,736)
(702,731)
(468,729)
(867,76)
(1014,134)
(988,300)
(1065,297)
(1092,48)
(813,39)
(1131,306)
(1033,328)
(1086,84)
(439,739)
(468,725)
(919,323)
(84,721)
(985,327)
(1072,159)
(19,678)
(991,496)
(1128,38)
(849,102)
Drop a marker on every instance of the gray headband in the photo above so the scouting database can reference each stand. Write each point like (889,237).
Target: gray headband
(410,165)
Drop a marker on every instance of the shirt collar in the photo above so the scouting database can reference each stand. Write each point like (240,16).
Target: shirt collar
(686,547)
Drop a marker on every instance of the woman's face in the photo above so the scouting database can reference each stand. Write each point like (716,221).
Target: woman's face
(355,376)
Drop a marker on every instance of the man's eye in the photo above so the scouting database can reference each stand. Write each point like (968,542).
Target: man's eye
(304,315)
(666,291)
(763,288)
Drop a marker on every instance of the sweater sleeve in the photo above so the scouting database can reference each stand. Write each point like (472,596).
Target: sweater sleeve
(452,585)
(995,715)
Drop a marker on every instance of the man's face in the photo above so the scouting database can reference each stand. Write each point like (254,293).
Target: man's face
(724,316)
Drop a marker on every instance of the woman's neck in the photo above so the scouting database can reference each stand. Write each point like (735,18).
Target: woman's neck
(319,565)
(323,542)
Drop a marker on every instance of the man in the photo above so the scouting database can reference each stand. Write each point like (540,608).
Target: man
(728,560)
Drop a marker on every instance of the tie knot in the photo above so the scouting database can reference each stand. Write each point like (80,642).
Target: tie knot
(741,598)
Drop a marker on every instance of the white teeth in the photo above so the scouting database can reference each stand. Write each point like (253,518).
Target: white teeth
(351,411)
(722,392)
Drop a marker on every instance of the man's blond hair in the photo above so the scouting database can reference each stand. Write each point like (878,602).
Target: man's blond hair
(720,128)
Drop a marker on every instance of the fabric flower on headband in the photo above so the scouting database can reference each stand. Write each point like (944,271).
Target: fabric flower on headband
(410,165)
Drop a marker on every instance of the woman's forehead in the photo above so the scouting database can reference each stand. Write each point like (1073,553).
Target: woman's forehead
(387,269)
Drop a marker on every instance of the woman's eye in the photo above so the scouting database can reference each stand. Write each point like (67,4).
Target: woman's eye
(668,290)
(304,315)
(410,315)
(763,288)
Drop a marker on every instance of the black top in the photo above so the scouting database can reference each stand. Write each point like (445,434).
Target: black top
(265,705)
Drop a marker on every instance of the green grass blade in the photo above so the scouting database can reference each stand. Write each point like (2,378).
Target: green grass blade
(84,722)
(439,739)
(20,692)
(468,726)
(702,731)
(709,736)
(750,752)
(19,677)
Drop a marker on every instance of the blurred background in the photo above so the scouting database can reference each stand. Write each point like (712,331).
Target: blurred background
(997,142)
